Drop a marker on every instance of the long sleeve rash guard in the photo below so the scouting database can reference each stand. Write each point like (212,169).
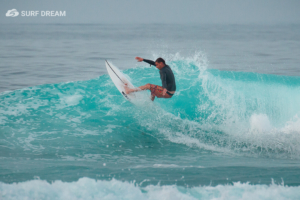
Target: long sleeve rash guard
(166,75)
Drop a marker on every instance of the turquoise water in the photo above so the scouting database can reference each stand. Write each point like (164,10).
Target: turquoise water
(231,131)
(224,135)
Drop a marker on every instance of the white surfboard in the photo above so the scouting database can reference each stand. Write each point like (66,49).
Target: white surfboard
(119,80)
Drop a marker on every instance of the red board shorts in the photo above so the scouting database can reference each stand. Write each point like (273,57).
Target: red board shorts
(157,91)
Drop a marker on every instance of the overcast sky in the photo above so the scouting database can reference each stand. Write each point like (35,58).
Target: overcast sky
(157,11)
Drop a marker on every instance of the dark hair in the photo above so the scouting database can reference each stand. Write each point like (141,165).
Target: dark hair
(159,60)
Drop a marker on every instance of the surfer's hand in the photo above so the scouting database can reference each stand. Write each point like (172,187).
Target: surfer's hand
(164,91)
(139,59)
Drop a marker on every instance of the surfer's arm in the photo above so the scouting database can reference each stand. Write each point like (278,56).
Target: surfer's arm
(149,62)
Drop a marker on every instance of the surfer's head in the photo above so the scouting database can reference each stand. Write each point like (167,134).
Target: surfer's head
(160,63)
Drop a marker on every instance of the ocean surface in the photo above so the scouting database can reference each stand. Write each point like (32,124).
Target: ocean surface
(231,131)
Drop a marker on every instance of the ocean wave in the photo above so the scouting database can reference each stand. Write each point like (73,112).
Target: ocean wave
(218,111)
(86,188)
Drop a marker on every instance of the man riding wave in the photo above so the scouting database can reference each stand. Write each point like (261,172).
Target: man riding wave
(167,77)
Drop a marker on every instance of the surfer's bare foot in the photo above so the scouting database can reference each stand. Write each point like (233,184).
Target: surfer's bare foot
(152,98)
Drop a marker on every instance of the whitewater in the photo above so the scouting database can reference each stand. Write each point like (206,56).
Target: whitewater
(225,134)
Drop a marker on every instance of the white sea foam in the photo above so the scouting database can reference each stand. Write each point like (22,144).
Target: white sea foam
(70,100)
(292,126)
(110,128)
(260,123)
(86,188)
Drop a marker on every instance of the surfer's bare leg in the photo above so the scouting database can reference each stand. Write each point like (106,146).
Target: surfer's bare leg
(130,90)
(144,87)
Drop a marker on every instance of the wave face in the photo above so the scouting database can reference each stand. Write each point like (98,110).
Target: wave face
(220,127)
(86,188)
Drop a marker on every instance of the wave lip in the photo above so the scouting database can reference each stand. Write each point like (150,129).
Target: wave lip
(87,188)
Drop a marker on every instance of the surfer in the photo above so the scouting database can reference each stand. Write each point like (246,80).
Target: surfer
(168,87)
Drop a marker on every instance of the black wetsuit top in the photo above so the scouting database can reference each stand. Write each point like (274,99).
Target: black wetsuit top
(166,76)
